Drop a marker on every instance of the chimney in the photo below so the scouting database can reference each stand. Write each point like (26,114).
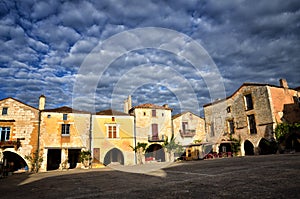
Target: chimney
(42,102)
(283,83)
(129,102)
(166,106)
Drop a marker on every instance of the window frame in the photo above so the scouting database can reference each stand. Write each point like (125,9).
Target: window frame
(65,129)
(6,131)
(153,112)
(252,124)
(114,131)
(248,102)
(231,127)
(6,111)
(65,117)
(212,129)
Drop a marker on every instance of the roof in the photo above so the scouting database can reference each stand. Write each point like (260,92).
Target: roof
(65,109)
(244,84)
(19,102)
(152,106)
(111,112)
(180,114)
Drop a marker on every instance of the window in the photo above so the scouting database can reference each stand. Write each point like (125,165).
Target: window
(113,119)
(212,130)
(65,129)
(4,133)
(228,109)
(48,116)
(112,131)
(231,127)
(4,110)
(184,127)
(144,113)
(248,102)
(154,131)
(65,116)
(252,124)
(153,113)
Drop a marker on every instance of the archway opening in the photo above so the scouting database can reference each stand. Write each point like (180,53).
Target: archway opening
(249,148)
(155,152)
(73,157)
(267,147)
(53,159)
(14,162)
(114,155)
(293,142)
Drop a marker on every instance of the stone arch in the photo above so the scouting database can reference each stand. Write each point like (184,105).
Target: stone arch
(248,147)
(114,155)
(267,147)
(156,151)
(14,161)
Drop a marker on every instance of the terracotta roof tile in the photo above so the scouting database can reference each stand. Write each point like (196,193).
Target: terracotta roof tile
(111,112)
(152,106)
(65,109)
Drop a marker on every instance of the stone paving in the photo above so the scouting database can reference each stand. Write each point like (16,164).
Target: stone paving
(270,176)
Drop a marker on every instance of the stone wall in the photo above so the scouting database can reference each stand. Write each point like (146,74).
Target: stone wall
(23,121)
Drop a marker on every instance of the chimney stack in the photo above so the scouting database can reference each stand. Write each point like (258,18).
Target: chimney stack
(42,102)
(283,83)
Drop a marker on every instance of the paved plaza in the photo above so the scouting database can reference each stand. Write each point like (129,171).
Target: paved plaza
(270,176)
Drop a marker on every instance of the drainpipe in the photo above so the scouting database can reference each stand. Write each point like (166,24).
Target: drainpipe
(38,142)
(90,132)
(134,130)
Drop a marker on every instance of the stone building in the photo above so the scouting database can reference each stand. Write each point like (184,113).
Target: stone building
(153,125)
(65,132)
(250,115)
(112,138)
(188,128)
(189,132)
(19,128)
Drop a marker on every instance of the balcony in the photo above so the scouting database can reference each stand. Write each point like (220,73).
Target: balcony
(187,133)
(10,144)
(160,138)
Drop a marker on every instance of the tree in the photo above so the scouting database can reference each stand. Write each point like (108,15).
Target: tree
(35,160)
(140,149)
(85,158)
(171,146)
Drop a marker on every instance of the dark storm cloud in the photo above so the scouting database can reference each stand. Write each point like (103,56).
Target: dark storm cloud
(43,44)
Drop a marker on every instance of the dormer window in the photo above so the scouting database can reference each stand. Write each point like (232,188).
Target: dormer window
(4,110)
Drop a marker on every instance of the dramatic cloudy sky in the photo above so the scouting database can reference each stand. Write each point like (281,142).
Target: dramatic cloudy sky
(46,47)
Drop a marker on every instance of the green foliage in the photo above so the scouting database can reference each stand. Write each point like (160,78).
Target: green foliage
(197,141)
(35,160)
(284,129)
(85,156)
(170,145)
(139,147)
(235,145)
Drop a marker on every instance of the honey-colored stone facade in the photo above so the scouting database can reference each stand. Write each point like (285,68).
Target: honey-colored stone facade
(144,120)
(51,136)
(188,128)
(268,109)
(23,121)
(108,150)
